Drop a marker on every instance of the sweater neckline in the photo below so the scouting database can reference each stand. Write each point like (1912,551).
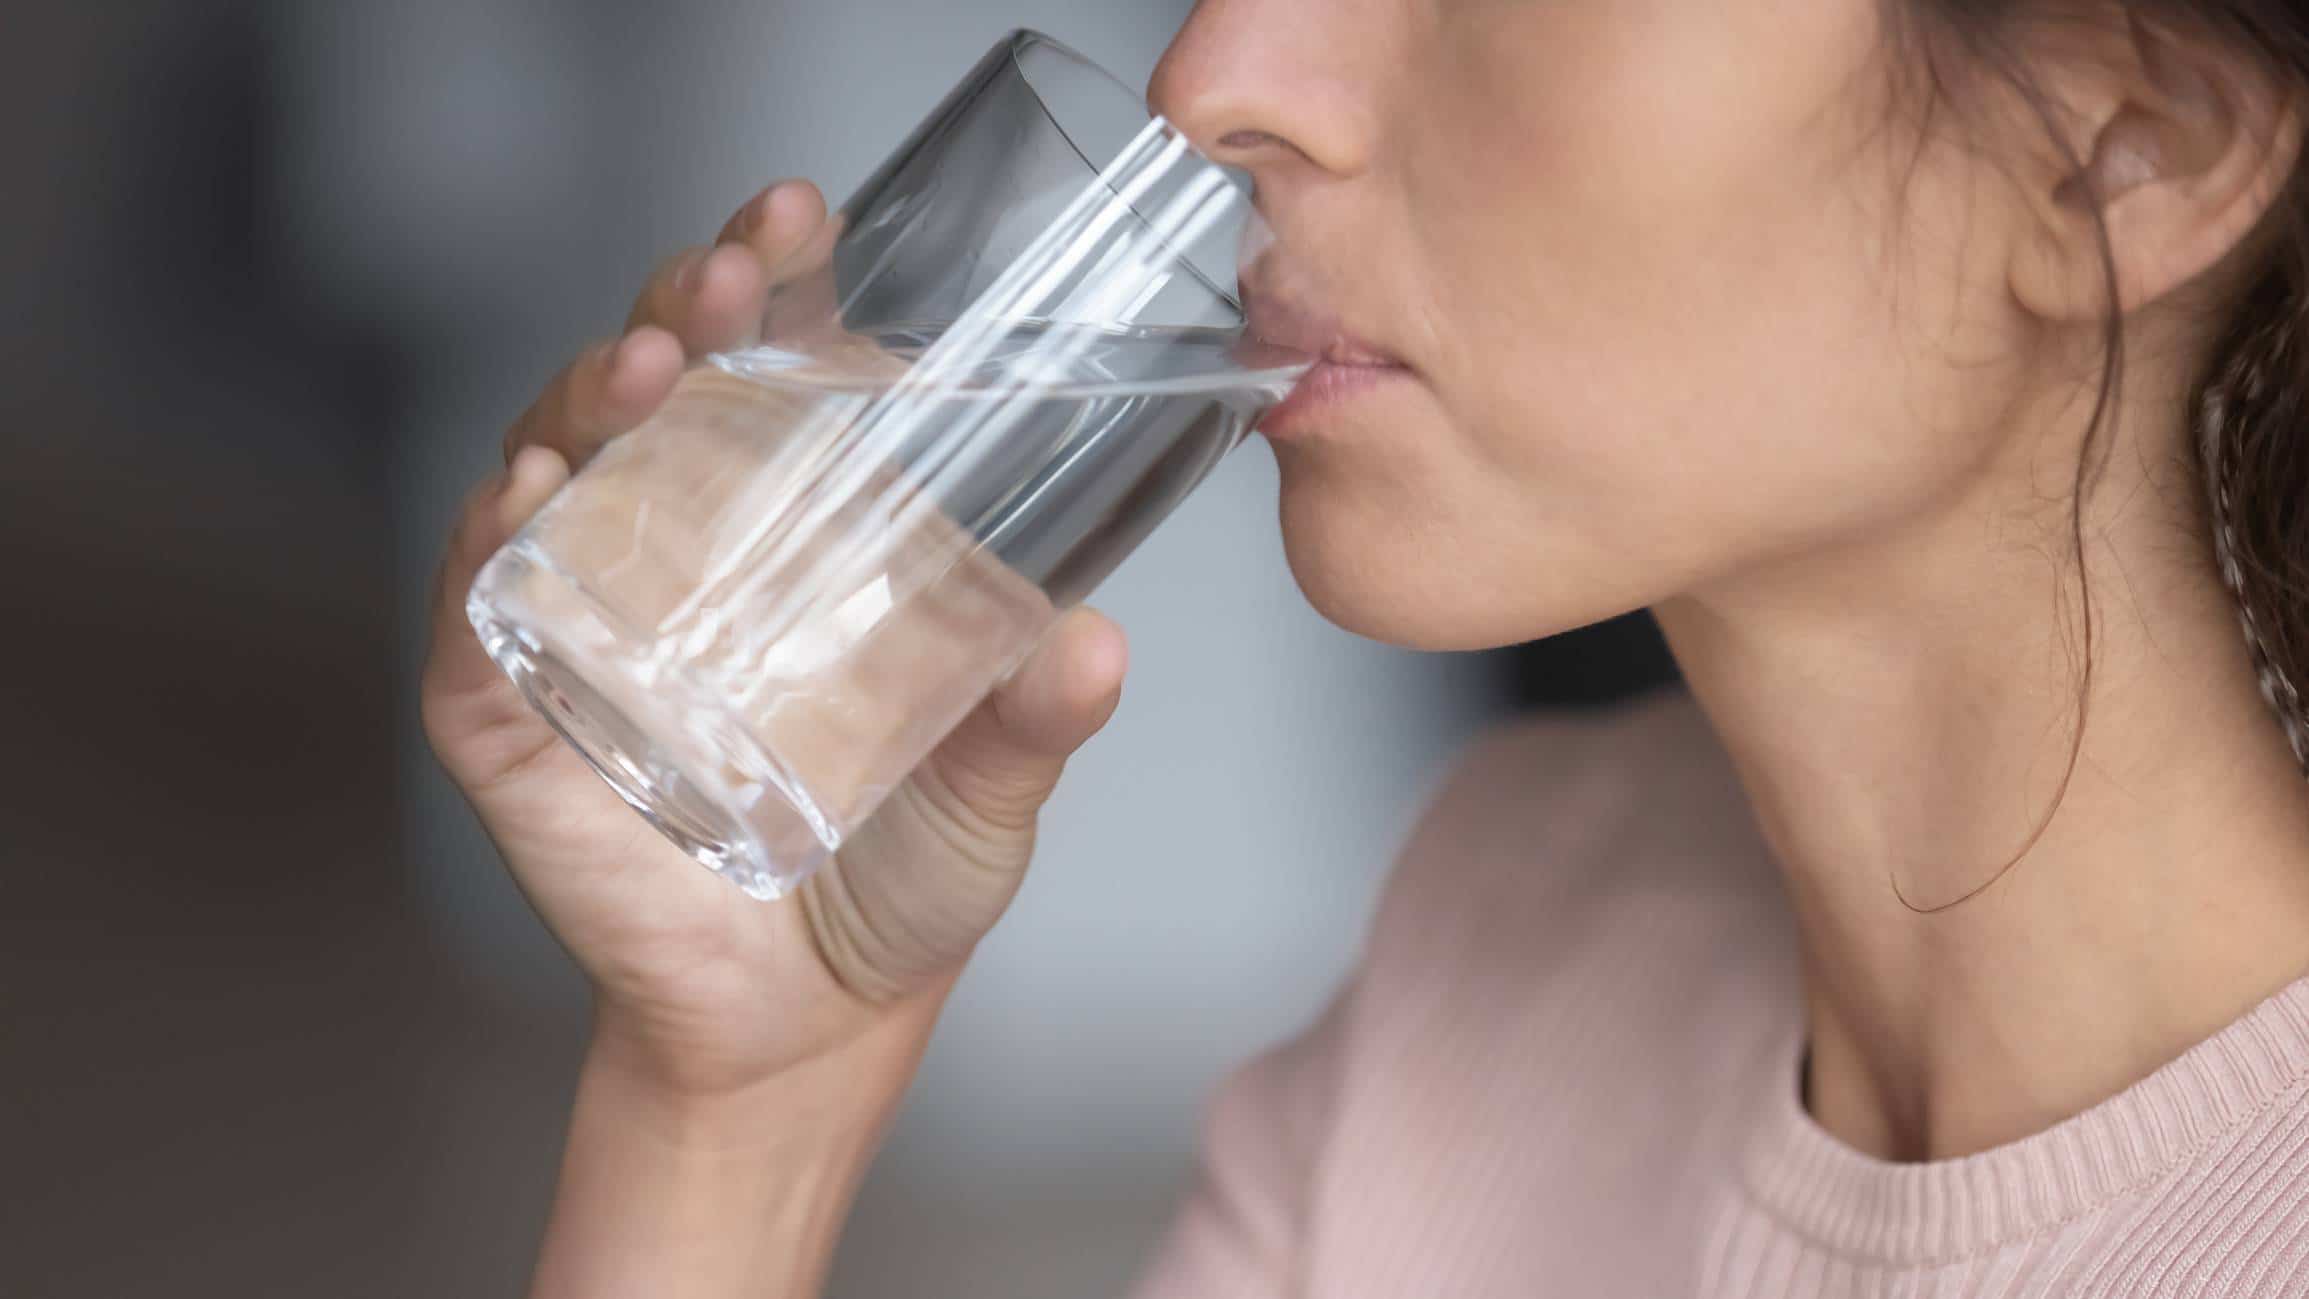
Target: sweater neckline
(1947,1209)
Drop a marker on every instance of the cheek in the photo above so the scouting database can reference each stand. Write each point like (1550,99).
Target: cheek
(1677,328)
(1701,306)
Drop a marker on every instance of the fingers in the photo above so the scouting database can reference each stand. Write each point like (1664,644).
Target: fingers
(704,300)
(777,224)
(712,298)
(806,303)
(1004,759)
(603,393)
(466,697)
(1068,688)
(709,298)
(788,227)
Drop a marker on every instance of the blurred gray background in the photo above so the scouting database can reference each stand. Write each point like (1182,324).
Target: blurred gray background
(271,1019)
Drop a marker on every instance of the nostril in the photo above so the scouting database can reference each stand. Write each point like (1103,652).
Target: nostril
(1248,140)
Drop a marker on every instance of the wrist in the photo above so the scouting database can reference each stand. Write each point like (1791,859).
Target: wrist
(843,1090)
(738,1189)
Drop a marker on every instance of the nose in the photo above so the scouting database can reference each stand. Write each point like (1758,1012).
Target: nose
(1272,86)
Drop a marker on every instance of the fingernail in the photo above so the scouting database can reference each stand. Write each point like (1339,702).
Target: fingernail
(685,277)
(529,464)
(618,358)
(532,471)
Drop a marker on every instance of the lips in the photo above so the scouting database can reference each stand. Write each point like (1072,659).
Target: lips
(1301,327)
(1345,366)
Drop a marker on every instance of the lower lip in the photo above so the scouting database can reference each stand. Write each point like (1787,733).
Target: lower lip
(1322,390)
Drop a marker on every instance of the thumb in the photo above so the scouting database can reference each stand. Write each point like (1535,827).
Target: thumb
(474,715)
(1003,760)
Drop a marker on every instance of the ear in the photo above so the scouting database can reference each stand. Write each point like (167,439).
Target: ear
(2180,146)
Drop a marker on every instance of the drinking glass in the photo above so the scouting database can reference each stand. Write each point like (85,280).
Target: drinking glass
(758,612)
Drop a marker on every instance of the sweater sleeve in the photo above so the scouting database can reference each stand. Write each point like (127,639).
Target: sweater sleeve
(1241,1232)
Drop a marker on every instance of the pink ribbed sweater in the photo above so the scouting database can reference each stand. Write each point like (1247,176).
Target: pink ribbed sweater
(1568,1067)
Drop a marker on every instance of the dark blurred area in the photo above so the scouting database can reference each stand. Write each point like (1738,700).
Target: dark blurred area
(1588,669)
(211,970)
(236,1055)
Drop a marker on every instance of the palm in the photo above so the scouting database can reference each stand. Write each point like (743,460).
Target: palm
(745,983)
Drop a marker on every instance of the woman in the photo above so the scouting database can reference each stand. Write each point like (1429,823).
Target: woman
(1926,366)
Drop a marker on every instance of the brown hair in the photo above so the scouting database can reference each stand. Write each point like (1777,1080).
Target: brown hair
(2250,408)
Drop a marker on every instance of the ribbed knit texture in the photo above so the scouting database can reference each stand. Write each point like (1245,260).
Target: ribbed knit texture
(1568,1067)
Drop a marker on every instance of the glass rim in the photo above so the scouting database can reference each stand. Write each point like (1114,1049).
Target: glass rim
(1023,39)
(1026,38)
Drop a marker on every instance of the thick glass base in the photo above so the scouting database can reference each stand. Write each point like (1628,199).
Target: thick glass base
(673,755)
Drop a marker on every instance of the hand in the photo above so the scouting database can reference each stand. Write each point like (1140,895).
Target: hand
(709,991)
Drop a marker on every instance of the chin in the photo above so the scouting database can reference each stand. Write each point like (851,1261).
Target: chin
(1402,566)
(1406,580)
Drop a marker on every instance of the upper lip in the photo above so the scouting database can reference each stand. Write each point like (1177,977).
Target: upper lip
(1303,327)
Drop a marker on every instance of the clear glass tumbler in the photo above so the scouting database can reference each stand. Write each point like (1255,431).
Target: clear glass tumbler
(757,613)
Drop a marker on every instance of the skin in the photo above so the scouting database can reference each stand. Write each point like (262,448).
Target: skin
(1697,311)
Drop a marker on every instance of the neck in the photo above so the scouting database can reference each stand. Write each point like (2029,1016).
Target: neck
(1996,937)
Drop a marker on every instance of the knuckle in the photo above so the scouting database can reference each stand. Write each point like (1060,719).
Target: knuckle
(992,796)
(546,420)
(460,541)
(443,717)
(673,274)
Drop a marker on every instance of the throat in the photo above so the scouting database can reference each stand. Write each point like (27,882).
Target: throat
(1995,936)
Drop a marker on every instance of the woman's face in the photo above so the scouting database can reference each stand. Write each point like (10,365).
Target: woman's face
(1679,299)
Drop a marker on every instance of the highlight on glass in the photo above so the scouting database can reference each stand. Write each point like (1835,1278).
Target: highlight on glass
(757,613)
